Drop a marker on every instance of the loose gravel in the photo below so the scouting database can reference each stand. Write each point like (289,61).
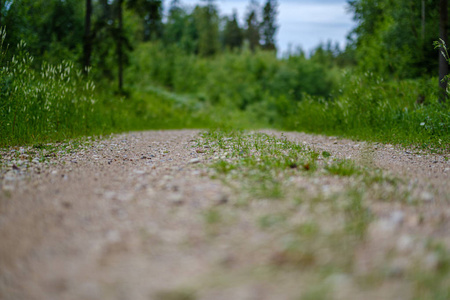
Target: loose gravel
(124,217)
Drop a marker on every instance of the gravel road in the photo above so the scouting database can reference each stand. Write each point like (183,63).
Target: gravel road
(124,218)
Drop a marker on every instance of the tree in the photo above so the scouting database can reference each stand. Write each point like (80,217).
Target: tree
(252,29)
(175,25)
(207,23)
(151,12)
(268,25)
(394,37)
(87,39)
(443,64)
(232,34)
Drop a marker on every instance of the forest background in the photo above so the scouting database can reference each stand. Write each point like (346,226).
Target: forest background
(71,68)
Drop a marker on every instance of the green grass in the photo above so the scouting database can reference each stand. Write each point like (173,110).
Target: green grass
(343,168)
(58,102)
(168,89)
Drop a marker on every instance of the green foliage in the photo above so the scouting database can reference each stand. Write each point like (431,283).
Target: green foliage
(257,82)
(58,102)
(53,30)
(207,23)
(42,103)
(150,13)
(268,25)
(406,112)
(394,37)
(232,33)
(252,25)
(343,168)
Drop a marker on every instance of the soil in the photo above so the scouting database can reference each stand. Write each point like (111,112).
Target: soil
(124,218)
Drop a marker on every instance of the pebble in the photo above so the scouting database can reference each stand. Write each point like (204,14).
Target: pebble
(194,161)
(176,199)
(426,196)
(222,199)
(381,229)
(405,244)
(113,236)
(397,217)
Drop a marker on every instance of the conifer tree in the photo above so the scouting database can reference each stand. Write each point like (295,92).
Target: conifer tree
(268,25)
(252,29)
(151,13)
(207,21)
(174,27)
(232,34)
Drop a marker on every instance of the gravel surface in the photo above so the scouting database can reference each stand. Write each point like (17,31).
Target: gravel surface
(124,218)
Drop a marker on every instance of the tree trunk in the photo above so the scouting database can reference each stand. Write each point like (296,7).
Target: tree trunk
(119,45)
(443,64)
(423,20)
(87,42)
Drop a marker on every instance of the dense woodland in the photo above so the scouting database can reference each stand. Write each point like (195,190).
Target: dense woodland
(71,67)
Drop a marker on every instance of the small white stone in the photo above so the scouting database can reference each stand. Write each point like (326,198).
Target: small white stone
(176,199)
(426,196)
(397,217)
(405,244)
(113,236)
(194,161)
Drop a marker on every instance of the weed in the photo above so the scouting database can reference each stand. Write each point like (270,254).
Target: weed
(326,154)
(212,216)
(271,220)
(343,168)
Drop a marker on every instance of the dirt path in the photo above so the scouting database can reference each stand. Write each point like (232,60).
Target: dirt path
(135,217)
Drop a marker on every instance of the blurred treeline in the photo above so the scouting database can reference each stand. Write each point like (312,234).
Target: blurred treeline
(192,61)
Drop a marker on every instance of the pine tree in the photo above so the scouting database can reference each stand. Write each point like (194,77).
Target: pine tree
(207,23)
(174,27)
(252,30)
(232,34)
(151,13)
(268,25)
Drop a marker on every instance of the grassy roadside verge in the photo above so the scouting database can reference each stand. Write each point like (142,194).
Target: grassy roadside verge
(53,103)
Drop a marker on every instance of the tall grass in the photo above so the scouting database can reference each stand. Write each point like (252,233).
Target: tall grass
(55,102)
(367,107)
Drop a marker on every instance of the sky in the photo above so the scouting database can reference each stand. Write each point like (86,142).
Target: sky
(304,23)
